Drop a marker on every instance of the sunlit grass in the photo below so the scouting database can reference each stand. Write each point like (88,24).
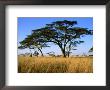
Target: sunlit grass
(55,64)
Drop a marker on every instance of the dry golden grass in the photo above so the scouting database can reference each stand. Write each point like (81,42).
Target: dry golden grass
(55,64)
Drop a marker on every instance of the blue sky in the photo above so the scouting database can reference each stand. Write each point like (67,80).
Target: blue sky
(27,24)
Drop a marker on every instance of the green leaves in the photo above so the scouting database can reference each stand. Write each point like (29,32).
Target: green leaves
(62,33)
(65,23)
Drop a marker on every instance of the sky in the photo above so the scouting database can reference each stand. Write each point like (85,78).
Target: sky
(27,24)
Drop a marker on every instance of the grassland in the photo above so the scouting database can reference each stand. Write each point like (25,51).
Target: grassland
(55,64)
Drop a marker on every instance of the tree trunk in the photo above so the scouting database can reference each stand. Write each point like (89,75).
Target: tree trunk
(62,49)
(30,53)
(68,53)
(69,50)
(63,52)
(41,52)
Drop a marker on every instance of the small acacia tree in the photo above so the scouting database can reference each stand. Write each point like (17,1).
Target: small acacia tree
(31,43)
(91,49)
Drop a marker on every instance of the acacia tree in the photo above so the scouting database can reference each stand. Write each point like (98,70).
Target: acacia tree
(30,42)
(26,43)
(91,49)
(61,33)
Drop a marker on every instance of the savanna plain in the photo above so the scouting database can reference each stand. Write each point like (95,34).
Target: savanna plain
(55,64)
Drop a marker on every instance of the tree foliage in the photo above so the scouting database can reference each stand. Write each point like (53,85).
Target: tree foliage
(91,49)
(62,33)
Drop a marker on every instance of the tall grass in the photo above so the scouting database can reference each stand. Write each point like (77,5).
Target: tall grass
(55,65)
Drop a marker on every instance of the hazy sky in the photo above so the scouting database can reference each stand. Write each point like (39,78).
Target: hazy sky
(27,24)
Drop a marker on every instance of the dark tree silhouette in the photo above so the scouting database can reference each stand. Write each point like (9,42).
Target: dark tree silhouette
(31,43)
(61,33)
(91,49)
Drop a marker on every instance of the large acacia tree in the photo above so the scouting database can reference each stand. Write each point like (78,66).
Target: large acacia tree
(62,33)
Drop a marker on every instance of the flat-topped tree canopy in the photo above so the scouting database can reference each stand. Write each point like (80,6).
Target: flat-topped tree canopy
(31,42)
(62,33)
